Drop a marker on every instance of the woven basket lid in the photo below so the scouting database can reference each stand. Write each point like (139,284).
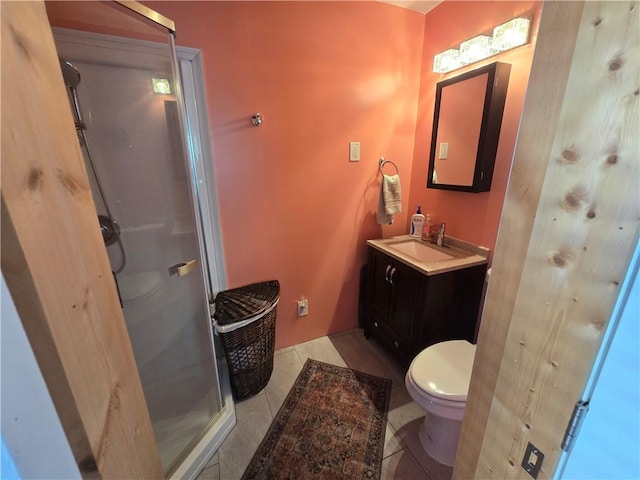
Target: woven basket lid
(244,302)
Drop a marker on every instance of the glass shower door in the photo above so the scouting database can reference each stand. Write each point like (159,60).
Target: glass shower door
(128,124)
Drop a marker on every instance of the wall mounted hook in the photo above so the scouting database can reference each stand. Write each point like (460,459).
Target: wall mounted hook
(256,119)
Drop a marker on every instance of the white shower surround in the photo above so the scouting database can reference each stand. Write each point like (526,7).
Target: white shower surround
(204,204)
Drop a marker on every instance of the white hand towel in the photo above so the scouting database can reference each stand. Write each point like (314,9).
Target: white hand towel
(389,201)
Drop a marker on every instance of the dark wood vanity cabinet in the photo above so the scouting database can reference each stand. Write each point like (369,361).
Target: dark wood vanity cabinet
(391,301)
(406,310)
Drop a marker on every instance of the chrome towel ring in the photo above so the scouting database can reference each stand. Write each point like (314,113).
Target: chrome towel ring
(382,162)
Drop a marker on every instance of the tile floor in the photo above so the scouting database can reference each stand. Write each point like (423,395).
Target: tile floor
(404,457)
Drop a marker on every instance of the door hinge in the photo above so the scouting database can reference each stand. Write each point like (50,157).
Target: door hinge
(575,423)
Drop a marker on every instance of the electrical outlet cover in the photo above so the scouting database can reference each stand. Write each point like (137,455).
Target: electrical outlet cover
(303,307)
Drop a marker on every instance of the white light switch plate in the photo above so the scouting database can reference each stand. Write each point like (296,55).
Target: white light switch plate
(444,151)
(354,151)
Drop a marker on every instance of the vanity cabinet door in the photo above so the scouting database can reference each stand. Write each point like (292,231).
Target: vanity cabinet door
(404,285)
(391,303)
(379,290)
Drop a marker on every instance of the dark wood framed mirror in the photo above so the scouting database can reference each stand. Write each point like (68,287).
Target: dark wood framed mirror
(466,128)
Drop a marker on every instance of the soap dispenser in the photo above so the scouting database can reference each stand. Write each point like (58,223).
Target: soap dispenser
(417,222)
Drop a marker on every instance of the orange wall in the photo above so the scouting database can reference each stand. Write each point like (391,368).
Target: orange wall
(292,206)
(470,216)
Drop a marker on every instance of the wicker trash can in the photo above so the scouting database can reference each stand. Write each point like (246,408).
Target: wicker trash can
(245,320)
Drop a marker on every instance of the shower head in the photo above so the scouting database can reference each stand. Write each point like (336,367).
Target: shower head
(71,77)
(70,74)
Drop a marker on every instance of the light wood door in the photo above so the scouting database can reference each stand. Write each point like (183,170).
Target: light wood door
(569,227)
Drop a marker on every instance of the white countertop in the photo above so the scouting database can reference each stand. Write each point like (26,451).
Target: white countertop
(464,254)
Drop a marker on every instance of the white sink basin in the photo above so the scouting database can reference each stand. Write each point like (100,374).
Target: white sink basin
(420,251)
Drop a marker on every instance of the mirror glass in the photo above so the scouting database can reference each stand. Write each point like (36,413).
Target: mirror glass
(461,108)
(467,118)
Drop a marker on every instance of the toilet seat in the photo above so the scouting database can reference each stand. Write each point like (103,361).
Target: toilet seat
(443,372)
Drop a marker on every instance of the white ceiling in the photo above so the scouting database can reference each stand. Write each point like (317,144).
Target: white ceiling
(423,6)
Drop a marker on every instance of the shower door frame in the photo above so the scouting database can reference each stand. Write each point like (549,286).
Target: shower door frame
(208,224)
(204,201)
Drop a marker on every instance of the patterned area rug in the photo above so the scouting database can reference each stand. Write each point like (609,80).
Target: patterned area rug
(331,426)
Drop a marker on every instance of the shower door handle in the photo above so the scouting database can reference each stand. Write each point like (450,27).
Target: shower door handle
(182,268)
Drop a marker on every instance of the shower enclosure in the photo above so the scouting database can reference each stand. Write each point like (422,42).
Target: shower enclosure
(127,107)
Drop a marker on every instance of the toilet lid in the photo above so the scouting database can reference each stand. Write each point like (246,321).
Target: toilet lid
(443,370)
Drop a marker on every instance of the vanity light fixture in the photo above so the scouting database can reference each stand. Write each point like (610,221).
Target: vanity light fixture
(447,61)
(506,36)
(476,48)
(511,34)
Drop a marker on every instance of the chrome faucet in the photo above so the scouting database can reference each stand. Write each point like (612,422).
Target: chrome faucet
(436,233)
(440,240)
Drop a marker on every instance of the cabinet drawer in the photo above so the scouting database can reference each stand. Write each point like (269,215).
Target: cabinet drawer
(398,346)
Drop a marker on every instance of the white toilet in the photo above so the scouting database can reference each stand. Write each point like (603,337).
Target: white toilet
(438,380)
